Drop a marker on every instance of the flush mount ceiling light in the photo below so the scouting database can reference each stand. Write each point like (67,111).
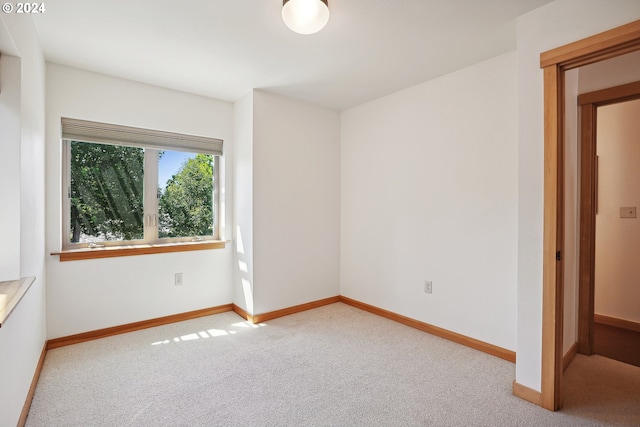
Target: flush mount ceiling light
(305,16)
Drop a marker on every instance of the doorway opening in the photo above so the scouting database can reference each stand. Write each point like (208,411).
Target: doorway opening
(555,63)
(611,335)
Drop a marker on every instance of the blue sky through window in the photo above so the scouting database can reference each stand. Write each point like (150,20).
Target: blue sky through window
(169,164)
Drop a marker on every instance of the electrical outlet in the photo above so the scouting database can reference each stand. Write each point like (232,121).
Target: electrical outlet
(178,281)
(428,286)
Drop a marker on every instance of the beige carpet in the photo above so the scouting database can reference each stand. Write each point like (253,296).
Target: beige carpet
(332,366)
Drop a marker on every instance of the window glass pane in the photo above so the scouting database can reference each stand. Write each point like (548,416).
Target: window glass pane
(185,194)
(107,184)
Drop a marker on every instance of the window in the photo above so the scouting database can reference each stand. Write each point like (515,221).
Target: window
(131,186)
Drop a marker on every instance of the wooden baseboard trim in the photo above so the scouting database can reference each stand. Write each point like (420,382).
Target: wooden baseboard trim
(130,327)
(259,318)
(518,389)
(32,389)
(568,358)
(618,323)
(526,393)
(136,326)
(242,313)
(434,330)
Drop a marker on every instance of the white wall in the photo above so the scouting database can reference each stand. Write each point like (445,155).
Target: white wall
(296,201)
(287,202)
(243,203)
(429,192)
(548,27)
(10,137)
(32,161)
(94,294)
(23,335)
(617,273)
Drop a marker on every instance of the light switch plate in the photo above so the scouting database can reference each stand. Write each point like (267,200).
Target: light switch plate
(628,212)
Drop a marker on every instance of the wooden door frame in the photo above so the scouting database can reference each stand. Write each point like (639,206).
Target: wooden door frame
(555,63)
(589,103)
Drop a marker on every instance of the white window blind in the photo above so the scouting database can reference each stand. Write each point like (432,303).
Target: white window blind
(104,133)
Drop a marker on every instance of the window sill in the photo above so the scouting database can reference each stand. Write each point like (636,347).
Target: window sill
(120,251)
(11,293)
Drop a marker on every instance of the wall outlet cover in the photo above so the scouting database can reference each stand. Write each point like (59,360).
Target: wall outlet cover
(428,286)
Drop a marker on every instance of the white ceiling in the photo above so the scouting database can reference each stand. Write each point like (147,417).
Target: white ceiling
(225,48)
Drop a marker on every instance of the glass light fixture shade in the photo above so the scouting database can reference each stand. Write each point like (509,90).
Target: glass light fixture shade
(305,16)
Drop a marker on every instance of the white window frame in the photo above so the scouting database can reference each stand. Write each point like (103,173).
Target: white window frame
(153,142)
